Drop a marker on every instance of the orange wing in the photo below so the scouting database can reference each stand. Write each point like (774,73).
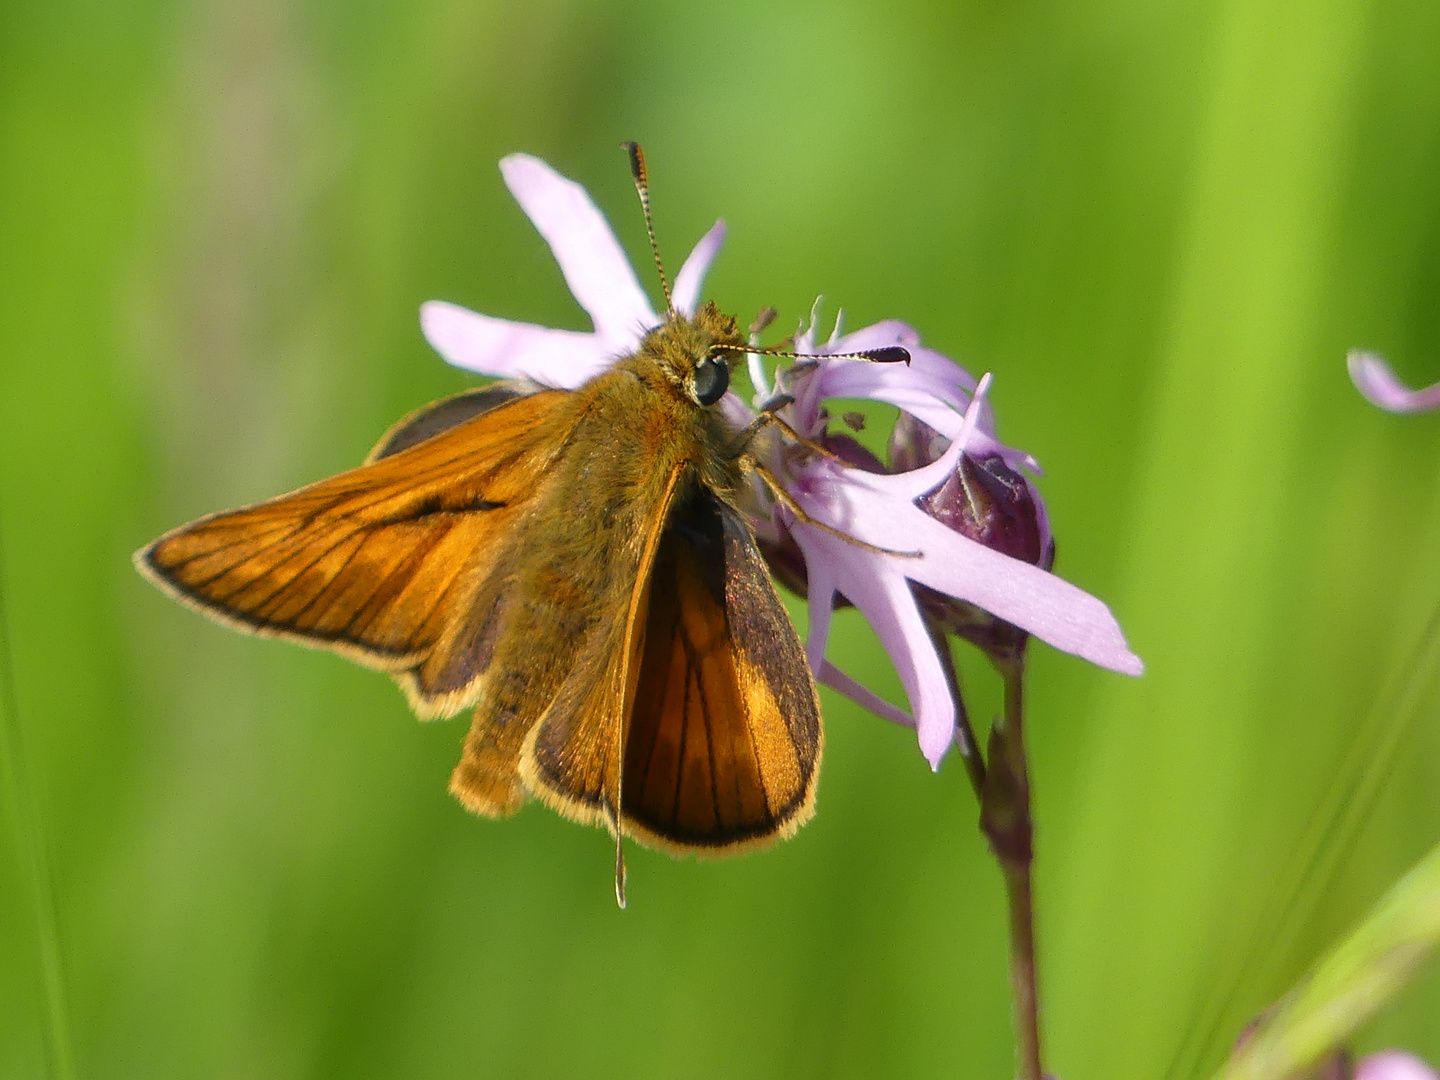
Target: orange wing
(723,748)
(572,756)
(722,738)
(393,564)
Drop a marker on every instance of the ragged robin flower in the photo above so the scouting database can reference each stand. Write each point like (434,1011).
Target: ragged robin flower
(952,492)
(989,555)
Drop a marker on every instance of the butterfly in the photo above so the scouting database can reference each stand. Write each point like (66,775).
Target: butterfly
(575,567)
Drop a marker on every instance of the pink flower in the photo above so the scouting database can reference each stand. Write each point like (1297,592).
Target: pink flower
(1394,1065)
(881,509)
(884,510)
(1374,379)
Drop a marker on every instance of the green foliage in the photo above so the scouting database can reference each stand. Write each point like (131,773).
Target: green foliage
(1358,978)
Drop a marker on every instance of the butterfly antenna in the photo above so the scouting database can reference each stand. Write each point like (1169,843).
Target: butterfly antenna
(886,354)
(642,185)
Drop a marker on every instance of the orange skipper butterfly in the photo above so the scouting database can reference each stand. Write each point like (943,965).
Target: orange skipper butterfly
(575,568)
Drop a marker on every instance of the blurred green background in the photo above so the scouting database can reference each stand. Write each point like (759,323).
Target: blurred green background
(1161,225)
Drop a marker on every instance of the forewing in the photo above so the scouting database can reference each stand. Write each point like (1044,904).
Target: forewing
(722,750)
(572,758)
(711,687)
(391,564)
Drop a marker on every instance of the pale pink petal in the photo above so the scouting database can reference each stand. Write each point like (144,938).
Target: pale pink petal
(938,406)
(805,333)
(927,364)
(889,607)
(819,602)
(1373,378)
(691,278)
(930,387)
(859,504)
(884,332)
(1047,606)
(594,264)
(1394,1065)
(561,358)
(866,698)
(913,483)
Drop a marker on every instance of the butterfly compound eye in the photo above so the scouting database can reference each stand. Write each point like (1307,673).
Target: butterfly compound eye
(712,379)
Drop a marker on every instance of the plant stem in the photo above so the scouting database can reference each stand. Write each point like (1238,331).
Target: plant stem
(1005,819)
(1023,983)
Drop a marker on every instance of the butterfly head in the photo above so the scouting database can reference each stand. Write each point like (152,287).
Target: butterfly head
(695,354)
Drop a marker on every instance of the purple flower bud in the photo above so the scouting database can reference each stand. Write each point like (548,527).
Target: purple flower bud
(986,501)
(989,502)
(914,443)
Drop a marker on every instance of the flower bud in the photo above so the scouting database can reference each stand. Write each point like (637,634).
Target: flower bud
(984,500)
(993,505)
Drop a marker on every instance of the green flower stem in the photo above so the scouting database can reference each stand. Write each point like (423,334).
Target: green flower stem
(1005,819)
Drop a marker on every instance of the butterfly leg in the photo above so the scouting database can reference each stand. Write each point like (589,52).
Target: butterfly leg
(751,465)
(769,417)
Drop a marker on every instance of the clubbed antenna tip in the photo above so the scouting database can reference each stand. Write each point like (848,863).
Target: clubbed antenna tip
(889,354)
(642,185)
(637,164)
